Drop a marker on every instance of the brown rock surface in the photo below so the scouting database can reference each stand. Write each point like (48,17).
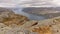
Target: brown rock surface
(8,17)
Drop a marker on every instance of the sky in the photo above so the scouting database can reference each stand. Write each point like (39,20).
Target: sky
(29,3)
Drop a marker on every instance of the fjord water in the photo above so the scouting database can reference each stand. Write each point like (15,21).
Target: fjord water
(30,16)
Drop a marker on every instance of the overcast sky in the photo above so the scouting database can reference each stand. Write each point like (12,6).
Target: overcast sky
(27,3)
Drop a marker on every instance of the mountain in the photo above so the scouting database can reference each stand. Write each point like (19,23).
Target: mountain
(47,12)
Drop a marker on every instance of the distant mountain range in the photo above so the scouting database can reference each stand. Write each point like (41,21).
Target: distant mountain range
(48,12)
(30,9)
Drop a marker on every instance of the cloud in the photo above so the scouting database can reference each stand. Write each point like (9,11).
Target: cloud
(30,3)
